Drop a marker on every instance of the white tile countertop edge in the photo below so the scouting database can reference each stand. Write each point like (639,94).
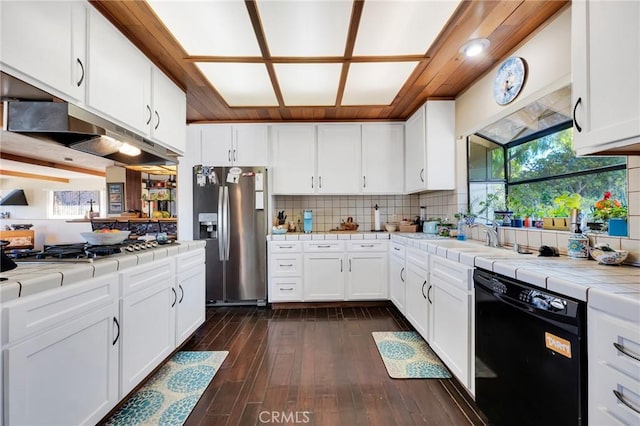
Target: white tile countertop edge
(33,277)
(566,276)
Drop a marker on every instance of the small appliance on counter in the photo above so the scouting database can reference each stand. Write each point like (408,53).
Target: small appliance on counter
(430,227)
(307,218)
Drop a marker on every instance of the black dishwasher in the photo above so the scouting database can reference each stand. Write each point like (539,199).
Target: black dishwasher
(531,365)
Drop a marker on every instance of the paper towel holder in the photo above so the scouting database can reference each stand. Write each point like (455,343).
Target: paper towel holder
(376,220)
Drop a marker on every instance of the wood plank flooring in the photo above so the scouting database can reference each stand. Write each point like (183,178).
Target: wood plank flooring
(315,366)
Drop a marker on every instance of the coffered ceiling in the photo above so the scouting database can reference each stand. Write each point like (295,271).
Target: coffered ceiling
(322,60)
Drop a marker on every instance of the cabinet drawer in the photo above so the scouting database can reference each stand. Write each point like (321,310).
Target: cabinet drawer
(367,245)
(286,265)
(614,341)
(285,290)
(323,246)
(397,249)
(452,272)
(143,276)
(603,403)
(285,246)
(418,258)
(190,260)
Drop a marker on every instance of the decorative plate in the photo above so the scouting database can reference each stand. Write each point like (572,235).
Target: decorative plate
(509,80)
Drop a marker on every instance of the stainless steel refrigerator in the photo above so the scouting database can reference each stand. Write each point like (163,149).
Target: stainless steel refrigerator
(229,208)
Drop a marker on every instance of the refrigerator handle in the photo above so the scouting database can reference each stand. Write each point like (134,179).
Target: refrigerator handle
(227,226)
(221,228)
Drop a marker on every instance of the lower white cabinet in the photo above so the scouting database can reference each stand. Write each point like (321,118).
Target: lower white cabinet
(451,315)
(367,276)
(417,307)
(61,355)
(613,345)
(324,276)
(397,275)
(190,288)
(147,310)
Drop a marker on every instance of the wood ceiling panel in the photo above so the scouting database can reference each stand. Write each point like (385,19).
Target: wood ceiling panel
(441,73)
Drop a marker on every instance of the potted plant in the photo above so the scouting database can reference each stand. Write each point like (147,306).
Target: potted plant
(516,206)
(613,214)
(494,203)
(564,206)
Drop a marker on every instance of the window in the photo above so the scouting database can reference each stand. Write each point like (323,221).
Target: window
(74,204)
(526,175)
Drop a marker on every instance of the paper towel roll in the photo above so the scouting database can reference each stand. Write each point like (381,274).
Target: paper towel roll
(376,216)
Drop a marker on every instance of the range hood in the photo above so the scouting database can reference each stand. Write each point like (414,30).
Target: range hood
(71,126)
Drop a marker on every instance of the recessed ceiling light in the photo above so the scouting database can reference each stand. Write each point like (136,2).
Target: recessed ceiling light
(474,47)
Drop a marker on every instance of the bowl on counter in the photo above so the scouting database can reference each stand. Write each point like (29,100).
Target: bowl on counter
(279,231)
(390,227)
(607,256)
(105,238)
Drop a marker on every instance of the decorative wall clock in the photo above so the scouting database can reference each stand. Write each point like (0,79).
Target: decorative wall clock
(509,80)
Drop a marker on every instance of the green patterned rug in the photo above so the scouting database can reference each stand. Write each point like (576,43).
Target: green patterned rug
(170,395)
(407,356)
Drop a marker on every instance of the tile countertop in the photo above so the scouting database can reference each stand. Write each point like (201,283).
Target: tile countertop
(564,275)
(300,236)
(33,277)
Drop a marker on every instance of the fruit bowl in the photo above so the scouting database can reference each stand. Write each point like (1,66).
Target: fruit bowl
(112,236)
(607,256)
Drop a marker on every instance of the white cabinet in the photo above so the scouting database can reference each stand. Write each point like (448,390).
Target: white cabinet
(44,43)
(285,271)
(128,89)
(367,270)
(613,345)
(324,266)
(148,319)
(417,307)
(606,75)
(190,289)
(451,315)
(382,158)
(430,147)
(294,159)
(241,145)
(61,355)
(339,159)
(397,275)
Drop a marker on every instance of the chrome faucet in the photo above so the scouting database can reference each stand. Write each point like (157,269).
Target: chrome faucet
(493,240)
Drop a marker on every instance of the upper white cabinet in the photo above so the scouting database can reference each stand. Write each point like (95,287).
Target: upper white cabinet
(294,159)
(606,75)
(130,90)
(44,43)
(430,147)
(234,145)
(339,159)
(382,158)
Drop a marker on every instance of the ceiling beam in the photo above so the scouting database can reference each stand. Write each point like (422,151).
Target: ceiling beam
(33,176)
(356,14)
(51,164)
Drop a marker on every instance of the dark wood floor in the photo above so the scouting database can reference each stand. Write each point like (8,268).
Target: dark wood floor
(315,366)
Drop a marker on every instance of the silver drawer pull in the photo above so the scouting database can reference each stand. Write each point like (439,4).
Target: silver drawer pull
(625,351)
(284,247)
(286,266)
(625,402)
(287,289)
(324,246)
(396,249)
(366,245)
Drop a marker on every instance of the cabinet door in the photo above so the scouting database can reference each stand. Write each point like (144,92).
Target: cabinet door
(120,84)
(168,125)
(217,144)
(367,276)
(294,159)
(440,148)
(416,305)
(251,145)
(382,158)
(415,138)
(339,159)
(324,276)
(397,282)
(67,375)
(190,307)
(45,42)
(606,65)
(451,334)
(148,330)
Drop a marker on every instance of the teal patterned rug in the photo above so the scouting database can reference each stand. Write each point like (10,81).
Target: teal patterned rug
(407,356)
(170,395)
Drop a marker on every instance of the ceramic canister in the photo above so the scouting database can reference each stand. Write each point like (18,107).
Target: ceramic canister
(578,246)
